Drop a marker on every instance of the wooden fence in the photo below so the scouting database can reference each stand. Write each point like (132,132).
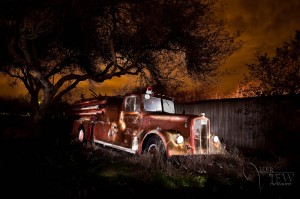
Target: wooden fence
(269,123)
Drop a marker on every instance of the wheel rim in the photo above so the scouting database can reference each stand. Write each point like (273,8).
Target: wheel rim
(152,150)
(81,135)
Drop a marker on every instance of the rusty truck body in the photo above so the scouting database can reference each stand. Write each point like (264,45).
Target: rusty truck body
(143,123)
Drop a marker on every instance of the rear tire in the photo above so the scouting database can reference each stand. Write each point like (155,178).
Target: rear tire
(81,135)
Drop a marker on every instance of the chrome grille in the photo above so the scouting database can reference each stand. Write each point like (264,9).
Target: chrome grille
(201,136)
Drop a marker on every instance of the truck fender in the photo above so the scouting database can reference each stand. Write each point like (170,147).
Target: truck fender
(150,133)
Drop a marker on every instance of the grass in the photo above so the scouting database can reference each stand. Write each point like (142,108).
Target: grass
(57,167)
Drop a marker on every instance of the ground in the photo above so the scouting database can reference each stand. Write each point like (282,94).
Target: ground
(57,167)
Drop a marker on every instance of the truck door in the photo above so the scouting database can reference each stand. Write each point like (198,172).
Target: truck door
(100,128)
(131,119)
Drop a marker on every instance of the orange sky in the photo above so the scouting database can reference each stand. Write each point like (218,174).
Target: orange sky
(264,24)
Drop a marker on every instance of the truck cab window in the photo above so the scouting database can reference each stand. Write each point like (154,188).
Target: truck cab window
(153,104)
(132,104)
(168,106)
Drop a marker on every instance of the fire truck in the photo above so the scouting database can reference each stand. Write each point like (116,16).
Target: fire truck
(143,123)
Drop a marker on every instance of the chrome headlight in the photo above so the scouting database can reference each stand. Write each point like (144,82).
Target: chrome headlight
(216,139)
(179,139)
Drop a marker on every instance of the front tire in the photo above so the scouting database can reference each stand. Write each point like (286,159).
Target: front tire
(156,150)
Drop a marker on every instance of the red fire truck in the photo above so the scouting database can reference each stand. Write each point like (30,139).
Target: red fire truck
(144,123)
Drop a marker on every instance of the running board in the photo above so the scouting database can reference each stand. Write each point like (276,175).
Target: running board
(115,146)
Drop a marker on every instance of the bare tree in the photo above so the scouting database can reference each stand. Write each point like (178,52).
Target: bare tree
(277,75)
(51,46)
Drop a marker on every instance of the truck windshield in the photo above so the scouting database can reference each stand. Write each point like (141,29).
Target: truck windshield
(155,104)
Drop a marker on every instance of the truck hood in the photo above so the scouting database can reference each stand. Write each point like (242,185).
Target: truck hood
(169,117)
(165,121)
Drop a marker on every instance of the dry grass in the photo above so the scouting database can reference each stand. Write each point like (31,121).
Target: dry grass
(229,169)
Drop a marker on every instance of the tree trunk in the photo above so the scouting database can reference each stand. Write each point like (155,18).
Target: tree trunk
(39,121)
